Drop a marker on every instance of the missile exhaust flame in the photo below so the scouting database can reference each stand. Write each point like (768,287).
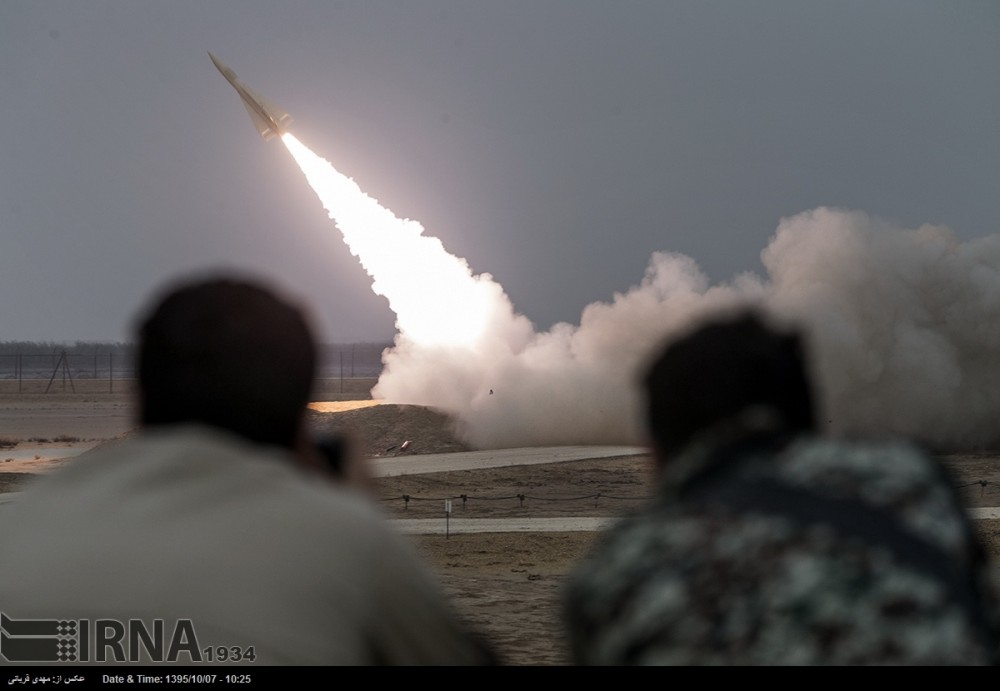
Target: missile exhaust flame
(436,298)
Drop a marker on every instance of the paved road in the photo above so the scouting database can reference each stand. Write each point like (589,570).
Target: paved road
(470,460)
(457,526)
(568,524)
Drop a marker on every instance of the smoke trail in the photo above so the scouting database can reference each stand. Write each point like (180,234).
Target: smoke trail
(904,326)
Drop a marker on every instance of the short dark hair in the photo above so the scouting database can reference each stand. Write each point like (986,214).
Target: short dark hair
(228,352)
(722,368)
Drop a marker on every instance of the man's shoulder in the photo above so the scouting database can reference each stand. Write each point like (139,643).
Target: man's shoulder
(824,459)
(186,474)
(782,506)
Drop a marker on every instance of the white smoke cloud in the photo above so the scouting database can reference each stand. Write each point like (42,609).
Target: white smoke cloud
(903,324)
(569,385)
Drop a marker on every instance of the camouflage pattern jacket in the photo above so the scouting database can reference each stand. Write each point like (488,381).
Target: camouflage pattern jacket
(814,552)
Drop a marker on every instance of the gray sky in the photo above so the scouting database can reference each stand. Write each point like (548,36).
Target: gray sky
(555,144)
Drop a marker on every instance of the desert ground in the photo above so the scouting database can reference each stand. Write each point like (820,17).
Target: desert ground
(506,585)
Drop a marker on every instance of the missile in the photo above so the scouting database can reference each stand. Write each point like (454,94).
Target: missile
(267,118)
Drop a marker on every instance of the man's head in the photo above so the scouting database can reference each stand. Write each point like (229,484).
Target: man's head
(721,370)
(229,353)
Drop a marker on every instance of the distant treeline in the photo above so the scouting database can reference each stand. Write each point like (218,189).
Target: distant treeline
(32,358)
(351,359)
(76,348)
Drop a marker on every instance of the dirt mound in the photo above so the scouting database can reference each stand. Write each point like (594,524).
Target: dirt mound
(391,430)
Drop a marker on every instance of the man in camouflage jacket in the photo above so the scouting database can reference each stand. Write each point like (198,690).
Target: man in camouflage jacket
(768,545)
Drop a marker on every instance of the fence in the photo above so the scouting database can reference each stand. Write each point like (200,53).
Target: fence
(342,367)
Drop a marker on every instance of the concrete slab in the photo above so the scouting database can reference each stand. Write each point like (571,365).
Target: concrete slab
(470,460)
(985,512)
(458,526)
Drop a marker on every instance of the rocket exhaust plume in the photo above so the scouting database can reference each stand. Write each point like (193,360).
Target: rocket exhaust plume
(903,324)
(437,301)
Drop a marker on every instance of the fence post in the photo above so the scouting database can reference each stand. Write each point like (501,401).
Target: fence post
(111,371)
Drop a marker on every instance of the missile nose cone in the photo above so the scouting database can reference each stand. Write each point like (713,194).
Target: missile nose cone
(215,61)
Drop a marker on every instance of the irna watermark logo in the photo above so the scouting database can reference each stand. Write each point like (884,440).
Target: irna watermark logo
(110,641)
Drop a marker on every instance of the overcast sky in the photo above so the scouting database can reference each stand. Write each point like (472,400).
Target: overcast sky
(555,144)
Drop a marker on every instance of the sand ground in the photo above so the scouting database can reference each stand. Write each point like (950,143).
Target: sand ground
(505,585)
